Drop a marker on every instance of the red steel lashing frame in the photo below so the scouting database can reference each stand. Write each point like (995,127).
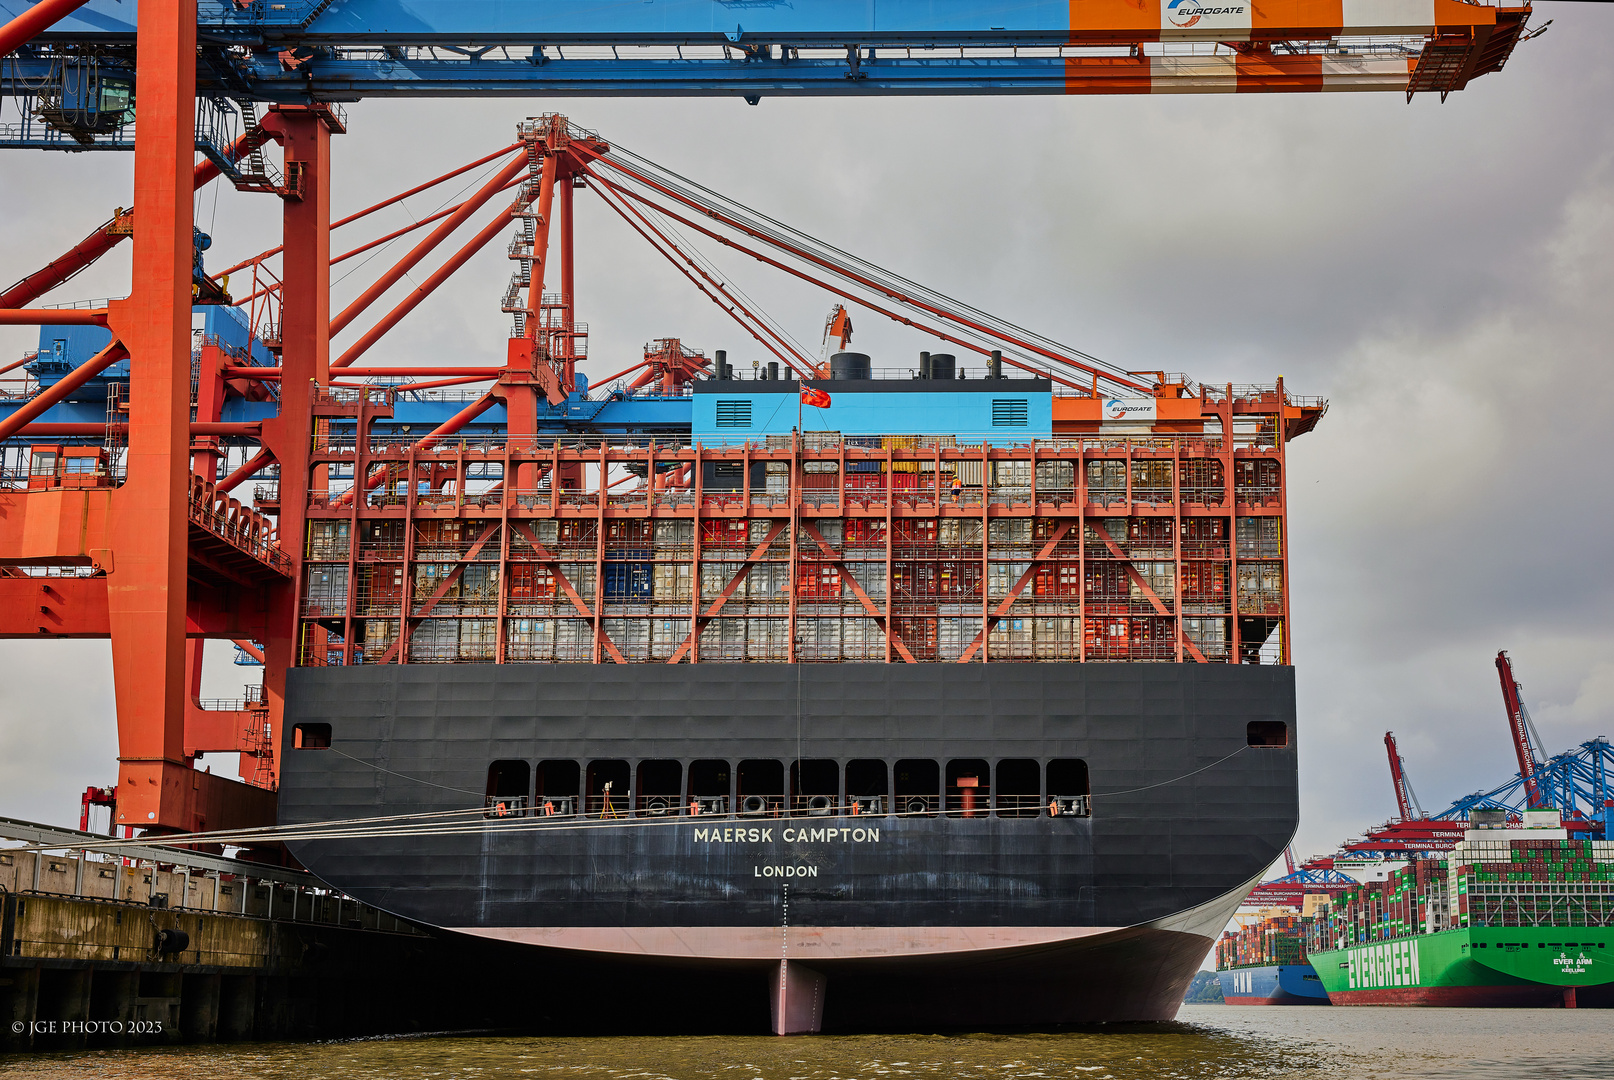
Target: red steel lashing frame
(426,442)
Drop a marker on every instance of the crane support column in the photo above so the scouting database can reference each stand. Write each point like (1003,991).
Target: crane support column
(305,321)
(146,585)
(568,277)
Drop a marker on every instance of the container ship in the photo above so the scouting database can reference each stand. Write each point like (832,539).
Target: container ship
(1521,917)
(878,730)
(1264,963)
(817,695)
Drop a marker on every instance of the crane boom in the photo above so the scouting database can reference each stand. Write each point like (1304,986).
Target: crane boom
(364,48)
(1520,728)
(1406,800)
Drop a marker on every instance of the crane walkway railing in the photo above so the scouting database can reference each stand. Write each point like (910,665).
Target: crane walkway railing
(237,524)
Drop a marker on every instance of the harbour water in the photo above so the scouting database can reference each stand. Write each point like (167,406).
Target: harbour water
(1207,1041)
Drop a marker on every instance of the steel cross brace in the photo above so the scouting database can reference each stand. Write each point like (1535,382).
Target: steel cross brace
(857,590)
(1143,587)
(1019,587)
(545,555)
(447,583)
(728,591)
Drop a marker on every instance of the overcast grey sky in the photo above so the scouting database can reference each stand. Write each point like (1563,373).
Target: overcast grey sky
(1440,272)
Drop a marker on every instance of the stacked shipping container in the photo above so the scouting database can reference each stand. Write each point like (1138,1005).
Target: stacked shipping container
(817,548)
(1272,939)
(1532,882)
(1505,880)
(1412,900)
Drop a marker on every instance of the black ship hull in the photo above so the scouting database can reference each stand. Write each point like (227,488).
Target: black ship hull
(974,907)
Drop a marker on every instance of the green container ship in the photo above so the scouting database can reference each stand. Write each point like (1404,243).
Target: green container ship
(1484,966)
(1511,918)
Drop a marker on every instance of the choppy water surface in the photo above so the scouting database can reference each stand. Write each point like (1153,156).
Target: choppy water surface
(1209,1041)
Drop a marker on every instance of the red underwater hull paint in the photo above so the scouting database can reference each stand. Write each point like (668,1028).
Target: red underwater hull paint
(1471,997)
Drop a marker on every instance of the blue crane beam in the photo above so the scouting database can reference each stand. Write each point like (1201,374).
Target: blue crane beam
(480,23)
(1575,782)
(345,50)
(353,74)
(606,416)
(660,21)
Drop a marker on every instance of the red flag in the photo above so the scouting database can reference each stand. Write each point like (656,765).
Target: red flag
(818,399)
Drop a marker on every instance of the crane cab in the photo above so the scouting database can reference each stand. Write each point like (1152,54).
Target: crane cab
(57,466)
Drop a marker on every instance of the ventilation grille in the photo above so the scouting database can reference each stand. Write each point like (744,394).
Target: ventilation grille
(738,414)
(1007,412)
